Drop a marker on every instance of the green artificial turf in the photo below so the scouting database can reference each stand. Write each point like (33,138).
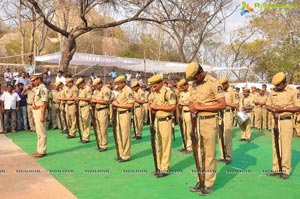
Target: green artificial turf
(90,174)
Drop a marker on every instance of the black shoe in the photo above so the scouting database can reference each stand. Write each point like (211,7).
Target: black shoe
(220,160)
(54,128)
(155,173)
(123,160)
(227,162)
(133,137)
(272,173)
(118,158)
(102,149)
(196,188)
(138,137)
(187,152)
(206,191)
(284,176)
(181,150)
(64,132)
(70,136)
(161,174)
(84,141)
(242,139)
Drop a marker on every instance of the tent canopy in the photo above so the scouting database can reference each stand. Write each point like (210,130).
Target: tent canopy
(150,66)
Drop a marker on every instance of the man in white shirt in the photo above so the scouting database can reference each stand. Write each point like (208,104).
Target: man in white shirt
(60,77)
(1,115)
(8,76)
(10,105)
(15,76)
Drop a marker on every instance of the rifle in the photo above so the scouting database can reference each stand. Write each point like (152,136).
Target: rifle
(221,134)
(276,142)
(194,136)
(78,121)
(65,117)
(133,121)
(59,117)
(181,125)
(152,133)
(94,123)
(114,126)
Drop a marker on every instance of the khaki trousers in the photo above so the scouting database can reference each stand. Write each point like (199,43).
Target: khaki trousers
(208,130)
(102,124)
(40,131)
(163,144)
(85,122)
(285,144)
(228,117)
(139,120)
(123,132)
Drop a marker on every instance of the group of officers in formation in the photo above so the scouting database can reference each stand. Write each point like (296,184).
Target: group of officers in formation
(204,105)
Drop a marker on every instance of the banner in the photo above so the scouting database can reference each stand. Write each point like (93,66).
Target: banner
(29,69)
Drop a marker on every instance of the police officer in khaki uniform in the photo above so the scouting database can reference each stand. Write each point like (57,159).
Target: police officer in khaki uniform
(39,114)
(246,105)
(260,110)
(164,103)
(283,101)
(70,92)
(297,117)
(206,99)
(101,98)
(231,104)
(139,99)
(146,105)
(183,100)
(83,100)
(253,94)
(124,103)
(55,93)
(30,98)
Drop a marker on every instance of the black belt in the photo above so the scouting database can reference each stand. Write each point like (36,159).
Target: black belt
(227,110)
(206,117)
(186,111)
(285,118)
(29,104)
(139,106)
(55,102)
(164,118)
(127,111)
(100,109)
(248,111)
(71,104)
(83,106)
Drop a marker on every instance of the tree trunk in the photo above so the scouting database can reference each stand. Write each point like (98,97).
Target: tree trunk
(68,49)
(33,26)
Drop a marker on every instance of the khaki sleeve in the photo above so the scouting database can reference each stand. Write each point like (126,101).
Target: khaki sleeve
(130,96)
(89,93)
(107,94)
(218,90)
(296,98)
(170,96)
(44,94)
(269,100)
(142,95)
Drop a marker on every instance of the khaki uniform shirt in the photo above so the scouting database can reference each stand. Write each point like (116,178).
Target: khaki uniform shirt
(140,95)
(229,97)
(261,99)
(248,101)
(30,97)
(40,95)
(85,92)
(125,96)
(207,93)
(164,97)
(55,94)
(184,96)
(70,92)
(103,94)
(287,98)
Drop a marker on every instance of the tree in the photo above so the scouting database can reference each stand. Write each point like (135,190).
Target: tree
(74,19)
(200,20)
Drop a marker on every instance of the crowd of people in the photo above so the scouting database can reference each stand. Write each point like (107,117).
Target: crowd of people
(201,104)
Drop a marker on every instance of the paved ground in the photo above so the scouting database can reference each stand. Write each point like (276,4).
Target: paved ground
(21,177)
